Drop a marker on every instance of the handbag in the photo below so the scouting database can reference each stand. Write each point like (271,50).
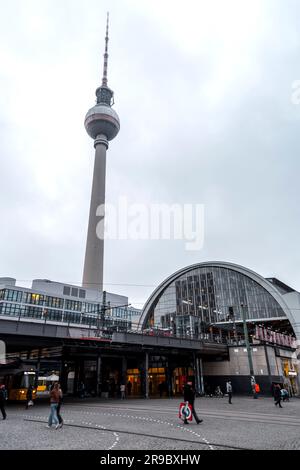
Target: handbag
(30,403)
(185,411)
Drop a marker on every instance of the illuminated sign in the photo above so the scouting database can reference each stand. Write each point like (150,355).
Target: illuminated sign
(270,336)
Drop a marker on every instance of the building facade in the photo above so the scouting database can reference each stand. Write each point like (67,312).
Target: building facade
(210,300)
(55,302)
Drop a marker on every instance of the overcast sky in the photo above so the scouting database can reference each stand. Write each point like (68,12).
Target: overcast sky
(203,92)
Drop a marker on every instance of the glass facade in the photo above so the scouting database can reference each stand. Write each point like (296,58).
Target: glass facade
(207,295)
(20,303)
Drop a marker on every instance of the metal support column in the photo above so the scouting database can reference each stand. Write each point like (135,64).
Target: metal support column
(76,379)
(99,372)
(64,375)
(197,375)
(268,365)
(146,375)
(124,370)
(200,365)
(37,372)
(246,334)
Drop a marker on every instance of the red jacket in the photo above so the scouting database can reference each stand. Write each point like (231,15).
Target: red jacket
(54,396)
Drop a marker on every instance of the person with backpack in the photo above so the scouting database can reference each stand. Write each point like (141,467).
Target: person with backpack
(3,398)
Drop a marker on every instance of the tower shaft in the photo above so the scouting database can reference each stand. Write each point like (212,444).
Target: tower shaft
(102,124)
(94,254)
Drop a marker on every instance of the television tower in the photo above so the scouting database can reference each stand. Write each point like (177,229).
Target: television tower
(102,124)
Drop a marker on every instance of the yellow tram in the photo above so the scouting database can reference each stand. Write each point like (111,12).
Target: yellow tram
(17,382)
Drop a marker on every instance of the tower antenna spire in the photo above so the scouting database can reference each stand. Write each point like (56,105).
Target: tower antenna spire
(104,78)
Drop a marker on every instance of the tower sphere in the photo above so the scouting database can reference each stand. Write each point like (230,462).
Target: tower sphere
(102,119)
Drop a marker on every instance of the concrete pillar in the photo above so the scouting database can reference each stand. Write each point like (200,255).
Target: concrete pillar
(93,264)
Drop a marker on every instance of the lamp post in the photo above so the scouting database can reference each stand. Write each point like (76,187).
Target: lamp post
(101,311)
(246,334)
(189,328)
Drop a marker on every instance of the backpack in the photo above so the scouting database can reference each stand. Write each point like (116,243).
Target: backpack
(3,395)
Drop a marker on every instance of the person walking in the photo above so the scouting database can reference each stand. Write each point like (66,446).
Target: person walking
(229,391)
(257,390)
(189,396)
(285,394)
(81,391)
(29,395)
(129,387)
(60,420)
(3,398)
(54,401)
(122,390)
(277,395)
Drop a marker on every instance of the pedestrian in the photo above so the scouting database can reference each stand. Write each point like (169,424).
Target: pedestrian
(104,389)
(54,401)
(254,390)
(161,389)
(122,390)
(189,396)
(277,395)
(29,396)
(3,398)
(129,387)
(112,388)
(284,394)
(81,390)
(60,420)
(229,391)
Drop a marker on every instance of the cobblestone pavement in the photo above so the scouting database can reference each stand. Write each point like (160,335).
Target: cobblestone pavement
(154,425)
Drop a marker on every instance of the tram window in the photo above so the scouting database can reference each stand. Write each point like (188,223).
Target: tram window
(17,381)
(23,380)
